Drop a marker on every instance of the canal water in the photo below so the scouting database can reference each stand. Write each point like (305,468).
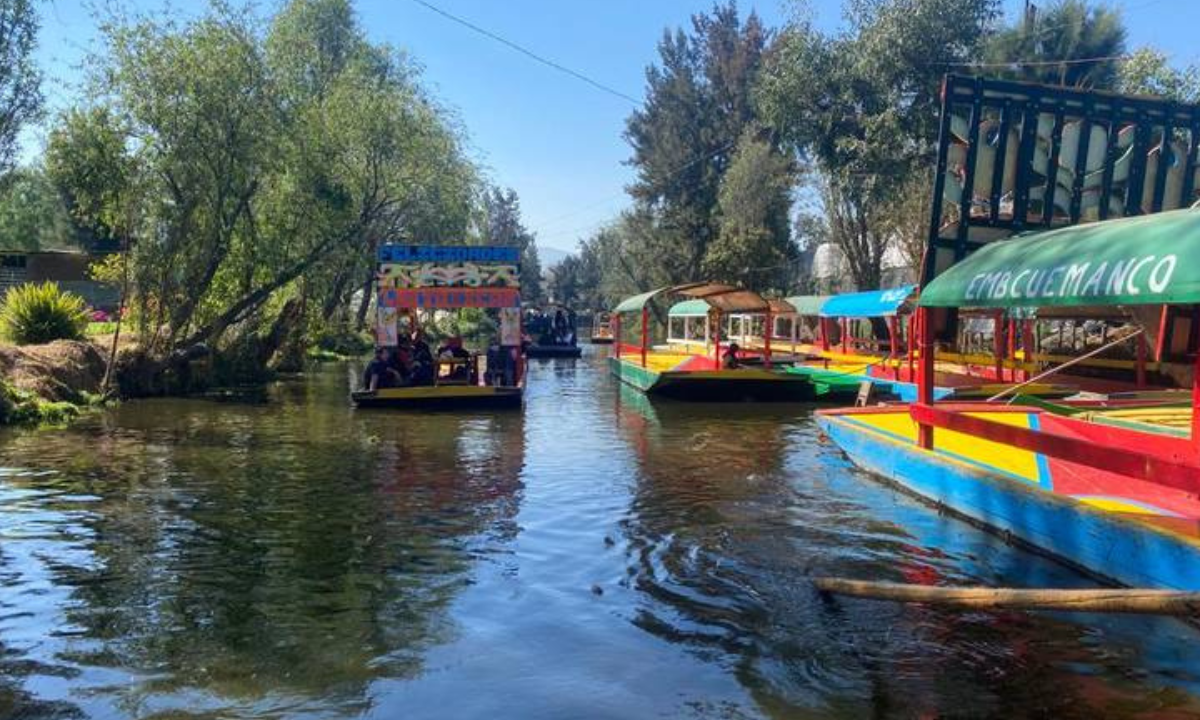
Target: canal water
(597,556)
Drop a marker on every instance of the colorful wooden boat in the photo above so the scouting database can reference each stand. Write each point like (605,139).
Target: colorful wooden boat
(601,329)
(1054,202)
(553,333)
(1111,489)
(696,369)
(411,278)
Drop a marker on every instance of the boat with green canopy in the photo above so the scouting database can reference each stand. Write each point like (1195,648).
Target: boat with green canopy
(704,364)
(1111,485)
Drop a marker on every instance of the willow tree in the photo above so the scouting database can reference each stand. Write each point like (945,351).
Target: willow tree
(269,160)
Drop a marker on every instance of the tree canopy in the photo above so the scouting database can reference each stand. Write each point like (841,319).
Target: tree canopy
(255,167)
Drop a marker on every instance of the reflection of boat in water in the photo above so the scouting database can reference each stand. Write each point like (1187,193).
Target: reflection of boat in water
(601,329)
(699,370)
(414,278)
(553,331)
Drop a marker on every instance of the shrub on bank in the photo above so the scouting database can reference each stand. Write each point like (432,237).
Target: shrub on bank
(34,314)
(20,407)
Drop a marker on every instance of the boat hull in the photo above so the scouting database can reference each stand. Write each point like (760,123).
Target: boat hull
(1012,491)
(602,340)
(741,385)
(553,351)
(444,396)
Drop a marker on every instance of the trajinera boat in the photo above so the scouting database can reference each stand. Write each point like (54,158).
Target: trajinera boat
(552,332)
(707,367)
(1111,486)
(601,329)
(411,278)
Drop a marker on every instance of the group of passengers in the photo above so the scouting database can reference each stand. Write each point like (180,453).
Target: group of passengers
(559,330)
(411,363)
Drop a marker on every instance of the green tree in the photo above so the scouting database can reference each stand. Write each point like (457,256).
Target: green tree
(255,168)
(1148,72)
(699,100)
(1074,43)
(860,107)
(32,214)
(754,246)
(566,284)
(503,227)
(20,81)
(89,163)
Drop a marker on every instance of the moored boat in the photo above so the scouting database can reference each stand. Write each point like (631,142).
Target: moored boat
(707,369)
(1110,484)
(601,329)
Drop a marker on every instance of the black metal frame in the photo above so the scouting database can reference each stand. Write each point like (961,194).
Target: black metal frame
(1018,105)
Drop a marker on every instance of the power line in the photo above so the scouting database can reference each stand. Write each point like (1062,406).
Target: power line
(1034,63)
(528,53)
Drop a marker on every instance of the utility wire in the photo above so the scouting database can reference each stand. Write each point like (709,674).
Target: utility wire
(528,53)
(1034,63)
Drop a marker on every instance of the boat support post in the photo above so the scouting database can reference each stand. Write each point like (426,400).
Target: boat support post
(645,332)
(925,376)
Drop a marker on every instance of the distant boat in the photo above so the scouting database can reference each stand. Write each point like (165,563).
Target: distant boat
(707,370)
(414,277)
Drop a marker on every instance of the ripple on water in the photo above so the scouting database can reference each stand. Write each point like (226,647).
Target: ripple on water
(599,555)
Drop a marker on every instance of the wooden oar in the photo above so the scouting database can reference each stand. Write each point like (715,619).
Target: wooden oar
(1108,600)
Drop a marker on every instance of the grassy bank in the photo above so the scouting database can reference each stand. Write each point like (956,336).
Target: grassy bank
(49,384)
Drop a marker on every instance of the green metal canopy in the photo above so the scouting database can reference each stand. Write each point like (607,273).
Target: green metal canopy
(690,308)
(807,304)
(637,302)
(1145,260)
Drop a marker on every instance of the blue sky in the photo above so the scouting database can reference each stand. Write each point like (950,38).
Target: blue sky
(554,139)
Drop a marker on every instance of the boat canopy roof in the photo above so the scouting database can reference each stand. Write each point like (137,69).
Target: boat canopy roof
(689,308)
(637,302)
(1145,260)
(807,304)
(726,298)
(873,303)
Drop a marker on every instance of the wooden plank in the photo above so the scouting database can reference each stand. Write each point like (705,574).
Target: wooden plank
(1107,600)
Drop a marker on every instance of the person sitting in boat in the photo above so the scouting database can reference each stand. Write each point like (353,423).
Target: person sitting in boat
(402,363)
(422,360)
(381,372)
(730,361)
(454,350)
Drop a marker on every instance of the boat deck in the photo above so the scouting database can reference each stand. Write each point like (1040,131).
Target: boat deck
(1175,421)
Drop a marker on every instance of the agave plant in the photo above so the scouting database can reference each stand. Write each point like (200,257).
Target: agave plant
(31,314)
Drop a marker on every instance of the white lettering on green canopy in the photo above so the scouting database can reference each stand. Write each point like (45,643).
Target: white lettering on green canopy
(1152,259)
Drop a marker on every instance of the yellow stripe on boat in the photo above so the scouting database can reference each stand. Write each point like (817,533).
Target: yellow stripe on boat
(1021,463)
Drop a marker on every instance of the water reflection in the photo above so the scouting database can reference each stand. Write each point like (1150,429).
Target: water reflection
(736,509)
(599,555)
(250,560)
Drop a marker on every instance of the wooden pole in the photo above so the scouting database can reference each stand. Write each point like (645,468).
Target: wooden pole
(645,332)
(767,340)
(892,340)
(925,376)
(1110,600)
(1196,405)
(1141,361)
